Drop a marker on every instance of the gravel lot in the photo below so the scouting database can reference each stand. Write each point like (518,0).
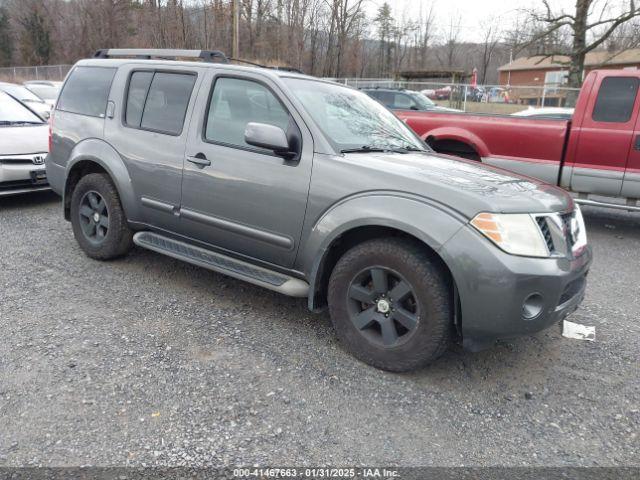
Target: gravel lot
(148,360)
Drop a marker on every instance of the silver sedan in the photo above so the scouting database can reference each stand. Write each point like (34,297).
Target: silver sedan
(23,148)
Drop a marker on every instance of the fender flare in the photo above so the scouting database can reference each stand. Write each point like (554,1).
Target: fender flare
(103,154)
(459,135)
(430,222)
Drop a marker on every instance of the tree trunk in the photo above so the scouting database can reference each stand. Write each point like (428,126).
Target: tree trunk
(578,50)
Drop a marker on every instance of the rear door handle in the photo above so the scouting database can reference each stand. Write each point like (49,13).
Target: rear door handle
(200,159)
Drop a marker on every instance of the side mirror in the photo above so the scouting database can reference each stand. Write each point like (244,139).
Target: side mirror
(267,136)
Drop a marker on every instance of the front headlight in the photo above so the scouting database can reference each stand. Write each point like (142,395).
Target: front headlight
(515,233)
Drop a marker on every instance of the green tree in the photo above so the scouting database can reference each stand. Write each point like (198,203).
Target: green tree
(385,24)
(6,40)
(35,41)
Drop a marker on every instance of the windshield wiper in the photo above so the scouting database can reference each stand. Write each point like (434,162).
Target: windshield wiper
(368,149)
(363,149)
(18,122)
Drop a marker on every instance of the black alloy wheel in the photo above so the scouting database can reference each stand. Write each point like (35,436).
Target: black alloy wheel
(382,306)
(94,217)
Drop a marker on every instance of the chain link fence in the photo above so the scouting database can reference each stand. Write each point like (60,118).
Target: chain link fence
(42,72)
(491,99)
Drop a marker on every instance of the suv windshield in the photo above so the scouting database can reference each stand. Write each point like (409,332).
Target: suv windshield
(401,99)
(13,112)
(351,119)
(423,102)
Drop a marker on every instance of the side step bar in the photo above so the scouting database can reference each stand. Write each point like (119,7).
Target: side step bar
(628,207)
(217,262)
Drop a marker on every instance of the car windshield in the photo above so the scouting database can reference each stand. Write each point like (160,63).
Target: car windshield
(351,119)
(21,93)
(45,92)
(13,112)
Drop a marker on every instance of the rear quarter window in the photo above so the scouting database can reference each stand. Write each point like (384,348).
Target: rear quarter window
(616,98)
(86,91)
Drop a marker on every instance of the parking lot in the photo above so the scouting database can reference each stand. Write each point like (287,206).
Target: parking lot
(148,360)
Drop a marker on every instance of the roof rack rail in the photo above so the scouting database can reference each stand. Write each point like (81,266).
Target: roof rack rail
(284,69)
(148,53)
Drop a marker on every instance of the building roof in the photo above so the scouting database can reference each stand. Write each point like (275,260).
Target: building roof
(593,59)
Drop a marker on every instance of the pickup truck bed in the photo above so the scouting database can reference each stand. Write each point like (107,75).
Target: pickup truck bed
(536,145)
(595,153)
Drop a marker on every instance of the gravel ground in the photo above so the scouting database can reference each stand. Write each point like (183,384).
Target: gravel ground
(150,361)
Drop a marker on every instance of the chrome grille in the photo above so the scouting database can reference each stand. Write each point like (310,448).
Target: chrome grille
(566,221)
(546,233)
(23,159)
(562,233)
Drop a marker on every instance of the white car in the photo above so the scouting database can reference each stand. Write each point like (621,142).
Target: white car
(546,112)
(26,96)
(24,144)
(47,90)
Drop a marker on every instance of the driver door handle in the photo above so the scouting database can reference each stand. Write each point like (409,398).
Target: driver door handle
(200,159)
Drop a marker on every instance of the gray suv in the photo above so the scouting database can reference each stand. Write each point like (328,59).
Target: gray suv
(314,190)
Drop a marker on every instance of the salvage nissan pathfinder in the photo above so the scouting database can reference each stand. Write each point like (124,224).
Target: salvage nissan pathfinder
(314,190)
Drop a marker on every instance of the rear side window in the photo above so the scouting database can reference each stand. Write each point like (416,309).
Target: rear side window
(615,99)
(384,97)
(158,101)
(86,91)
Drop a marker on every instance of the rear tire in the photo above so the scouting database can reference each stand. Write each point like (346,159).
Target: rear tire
(396,334)
(98,220)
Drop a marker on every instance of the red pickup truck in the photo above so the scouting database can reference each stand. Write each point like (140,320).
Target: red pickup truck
(597,152)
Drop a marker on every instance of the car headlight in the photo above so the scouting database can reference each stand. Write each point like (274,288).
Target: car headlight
(515,233)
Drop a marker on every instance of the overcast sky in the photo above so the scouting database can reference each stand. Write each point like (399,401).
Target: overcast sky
(471,12)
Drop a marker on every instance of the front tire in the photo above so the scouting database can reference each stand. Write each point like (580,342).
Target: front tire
(98,220)
(391,304)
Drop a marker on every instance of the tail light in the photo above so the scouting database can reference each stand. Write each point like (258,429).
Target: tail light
(51,131)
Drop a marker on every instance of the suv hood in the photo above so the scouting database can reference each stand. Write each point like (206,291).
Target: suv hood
(467,186)
(20,140)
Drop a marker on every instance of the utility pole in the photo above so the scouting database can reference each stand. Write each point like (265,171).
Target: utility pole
(509,72)
(235,45)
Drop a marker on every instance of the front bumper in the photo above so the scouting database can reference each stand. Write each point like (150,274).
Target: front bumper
(21,175)
(493,286)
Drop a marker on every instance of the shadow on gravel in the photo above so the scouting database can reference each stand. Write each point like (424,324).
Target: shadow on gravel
(27,200)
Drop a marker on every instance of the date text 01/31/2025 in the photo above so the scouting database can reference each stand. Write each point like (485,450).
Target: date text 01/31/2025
(314,473)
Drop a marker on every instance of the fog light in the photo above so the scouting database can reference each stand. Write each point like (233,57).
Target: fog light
(532,306)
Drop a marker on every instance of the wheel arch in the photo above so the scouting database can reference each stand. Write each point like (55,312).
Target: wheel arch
(415,220)
(96,156)
(459,137)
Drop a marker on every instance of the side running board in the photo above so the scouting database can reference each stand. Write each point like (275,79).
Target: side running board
(223,264)
(630,206)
